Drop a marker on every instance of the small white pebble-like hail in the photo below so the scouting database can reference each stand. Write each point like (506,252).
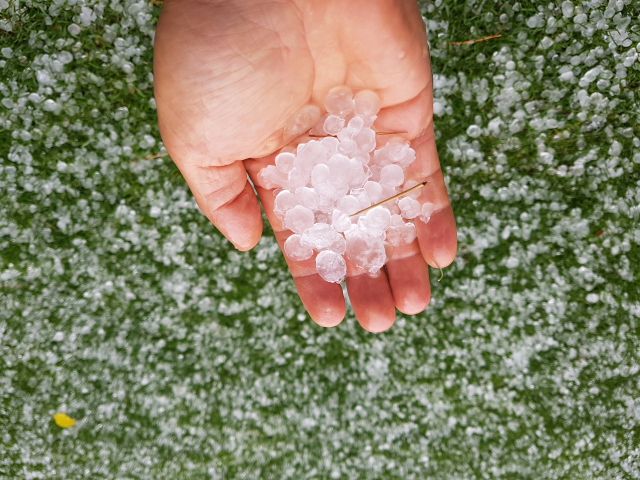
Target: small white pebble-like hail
(323,183)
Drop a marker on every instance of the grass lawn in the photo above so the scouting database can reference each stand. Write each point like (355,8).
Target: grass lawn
(181,358)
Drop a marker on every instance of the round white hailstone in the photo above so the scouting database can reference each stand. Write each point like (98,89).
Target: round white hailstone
(297,179)
(374,191)
(344,134)
(474,131)
(327,191)
(318,128)
(298,219)
(155,212)
(271,177)
(340,221)
(349,205)
(378,218)
(321,217)
(302,120)
(580,18)
(381,157)
(366,140)
(408,185)
(394,236)
(326,204)
(409,233)
(352,232)
(331,266)
(367,103)
(438,108)
(330,144)
(339,101)
(333,125)
(366,252)
(392,175)
(295,250)
(339,246)
(362,224)
(341,191)
(409,207)
(284,162)
(309,156)
(408,159)
(426,212)
(355,125)
(376,233)
(395,232)
(307,197)
(347,147)
(388,192)
(545,43)
(513,262)
(285,201)
(320,176)
(48,105)
(363,158)
(396,221)
(592,298)
(567,9)
(397,150)
(339,166)
(320,236)
(357,174)
(361,195)
(73,29)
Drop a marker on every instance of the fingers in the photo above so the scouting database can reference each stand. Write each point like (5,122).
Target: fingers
(371,298)
(409,281)
(438,238)
(324,301)
(226,198)
(411,117)
(372,301)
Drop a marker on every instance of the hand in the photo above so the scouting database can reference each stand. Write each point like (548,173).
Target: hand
(228,75)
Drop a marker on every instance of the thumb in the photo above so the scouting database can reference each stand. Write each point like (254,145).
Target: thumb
(227,199)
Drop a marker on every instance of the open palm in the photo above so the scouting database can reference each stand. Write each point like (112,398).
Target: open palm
(228,75)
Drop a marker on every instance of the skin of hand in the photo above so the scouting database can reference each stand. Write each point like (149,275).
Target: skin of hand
(229,73)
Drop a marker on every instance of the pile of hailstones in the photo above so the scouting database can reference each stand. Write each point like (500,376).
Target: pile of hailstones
(323,183)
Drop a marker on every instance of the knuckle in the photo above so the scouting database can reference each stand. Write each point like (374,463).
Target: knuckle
(220,187)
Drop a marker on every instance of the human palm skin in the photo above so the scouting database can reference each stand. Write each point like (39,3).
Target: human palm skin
(228,75)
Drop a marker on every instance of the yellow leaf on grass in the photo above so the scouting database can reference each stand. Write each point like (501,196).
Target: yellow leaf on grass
(63,420)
